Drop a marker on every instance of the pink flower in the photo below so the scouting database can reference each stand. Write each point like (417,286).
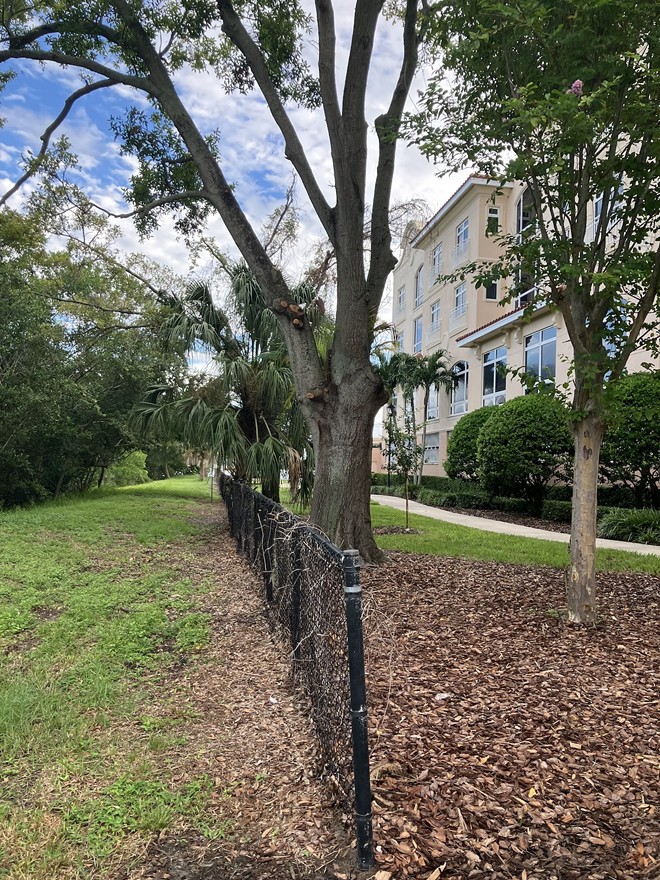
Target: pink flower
(576,88)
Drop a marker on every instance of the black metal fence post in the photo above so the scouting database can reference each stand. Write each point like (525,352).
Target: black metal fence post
(296,587)
(363,818)
(269,532)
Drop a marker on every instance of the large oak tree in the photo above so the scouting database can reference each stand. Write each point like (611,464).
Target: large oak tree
(259,45)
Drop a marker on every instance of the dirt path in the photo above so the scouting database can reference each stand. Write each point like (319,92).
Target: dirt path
(246,729)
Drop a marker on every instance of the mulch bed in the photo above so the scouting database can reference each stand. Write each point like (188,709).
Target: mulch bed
(534,522)
(505,742)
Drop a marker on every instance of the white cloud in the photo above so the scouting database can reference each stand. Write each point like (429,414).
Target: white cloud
(251,146)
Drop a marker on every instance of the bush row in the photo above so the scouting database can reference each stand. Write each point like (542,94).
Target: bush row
(621,524)
(608,496)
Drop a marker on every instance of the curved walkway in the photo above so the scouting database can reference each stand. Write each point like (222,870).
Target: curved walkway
(506,528)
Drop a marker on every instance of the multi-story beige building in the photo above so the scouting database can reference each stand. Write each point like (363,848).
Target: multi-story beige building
(485,338)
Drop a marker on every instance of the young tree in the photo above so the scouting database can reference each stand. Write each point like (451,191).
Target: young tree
(142,46)
(564,97)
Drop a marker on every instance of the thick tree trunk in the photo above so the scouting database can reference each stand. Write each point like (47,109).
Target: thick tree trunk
(342,486)
(582,578)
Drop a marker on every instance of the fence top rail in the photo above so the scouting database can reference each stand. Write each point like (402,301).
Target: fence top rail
(283,515)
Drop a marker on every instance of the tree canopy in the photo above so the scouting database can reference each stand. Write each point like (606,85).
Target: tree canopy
(263,47)
(564,97)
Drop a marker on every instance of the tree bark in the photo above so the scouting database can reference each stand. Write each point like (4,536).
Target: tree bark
(582,576)
(342,432)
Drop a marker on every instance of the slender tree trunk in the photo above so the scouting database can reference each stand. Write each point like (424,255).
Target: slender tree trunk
(99,482)
(425,413)
(342,433)
(582,577)
(166,470)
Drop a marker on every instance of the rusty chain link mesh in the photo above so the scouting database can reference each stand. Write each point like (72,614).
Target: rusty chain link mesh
(303,592)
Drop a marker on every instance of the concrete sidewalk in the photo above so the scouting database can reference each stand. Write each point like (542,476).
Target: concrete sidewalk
(506,528)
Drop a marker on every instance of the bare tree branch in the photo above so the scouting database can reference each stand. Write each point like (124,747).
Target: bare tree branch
(48,133)
(235,30)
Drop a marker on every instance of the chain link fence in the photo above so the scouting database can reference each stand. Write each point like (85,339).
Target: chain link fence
(312,593)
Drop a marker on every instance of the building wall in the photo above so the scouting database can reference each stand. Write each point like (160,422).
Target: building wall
(470,322)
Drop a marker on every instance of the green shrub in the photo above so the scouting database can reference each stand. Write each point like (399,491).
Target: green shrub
(557,511)
(442,484)
(461,463)
(130,471)
(511,505)
(629,454)
(559,492)
(523,445)
(640,526)
(616,496)
(428,496)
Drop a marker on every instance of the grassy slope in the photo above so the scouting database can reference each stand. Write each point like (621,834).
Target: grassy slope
(90,616)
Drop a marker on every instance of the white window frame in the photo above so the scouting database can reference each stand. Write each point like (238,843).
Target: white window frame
(419,286)
(493,213)
(493,286)
(496,397)
(436,263)
(433,448)
(402,298)
(398,342)
(550,341)
(417,336)
(434,326)
(460,299)
(459,405)
(433,409)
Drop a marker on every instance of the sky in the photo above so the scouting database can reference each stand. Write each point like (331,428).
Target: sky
(250,145)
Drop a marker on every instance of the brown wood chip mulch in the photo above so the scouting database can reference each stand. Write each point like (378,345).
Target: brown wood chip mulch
(505,743)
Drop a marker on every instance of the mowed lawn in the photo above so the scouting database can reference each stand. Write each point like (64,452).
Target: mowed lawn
(92,617)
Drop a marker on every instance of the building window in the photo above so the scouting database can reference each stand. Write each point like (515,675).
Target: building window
(494,377)
(419,287)
(460,299)
(432,448)
(437,262)
(399,341)
(435,317)
(433,409)
(524,212)
(491,290)
(459,389)
(598,210)
(541,354)
(493,221)
(462,233)
(402,298)
(417,336)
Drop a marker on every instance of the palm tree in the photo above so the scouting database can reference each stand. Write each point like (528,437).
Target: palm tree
(248,415)
(432,371)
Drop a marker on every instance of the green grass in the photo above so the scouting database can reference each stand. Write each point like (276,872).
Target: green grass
(438,538)
(92,614)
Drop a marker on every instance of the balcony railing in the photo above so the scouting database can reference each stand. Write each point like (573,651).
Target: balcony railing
(525,298)
(460,253)
(433,331)
(458,317)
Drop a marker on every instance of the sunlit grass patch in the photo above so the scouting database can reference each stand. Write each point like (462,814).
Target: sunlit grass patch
(93,616)
(438,538)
